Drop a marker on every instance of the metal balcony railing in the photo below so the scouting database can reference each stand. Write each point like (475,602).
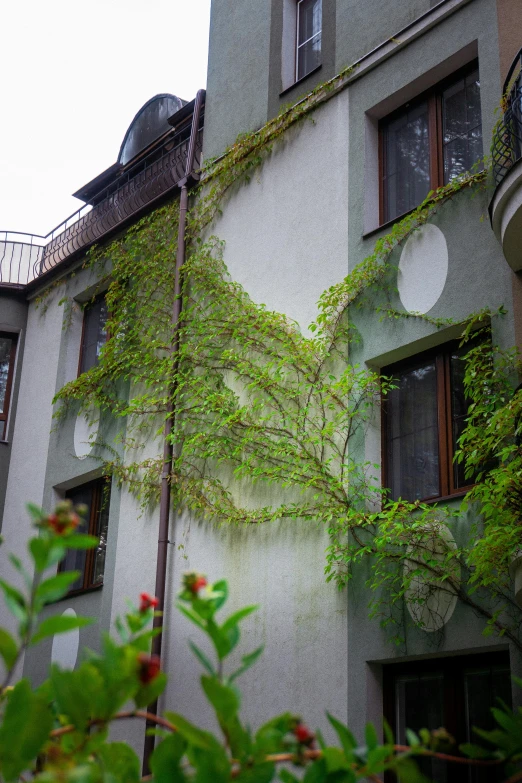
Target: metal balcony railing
(24,257)
(507,138)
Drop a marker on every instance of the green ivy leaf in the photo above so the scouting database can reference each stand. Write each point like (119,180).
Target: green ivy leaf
(8,648)
(59,624)
(24,731)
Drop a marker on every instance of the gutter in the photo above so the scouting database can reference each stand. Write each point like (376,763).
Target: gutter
(168,451)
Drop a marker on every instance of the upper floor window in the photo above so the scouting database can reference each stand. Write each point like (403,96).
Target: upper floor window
(7,359)
(94,334)
(429,142)
(309,26)
(91,562)
(424,416)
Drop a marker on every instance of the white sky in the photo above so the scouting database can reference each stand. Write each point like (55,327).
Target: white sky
(72,76)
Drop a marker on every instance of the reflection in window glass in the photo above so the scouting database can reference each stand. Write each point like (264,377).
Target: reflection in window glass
(407,161)
(309,23)
(412,436)
(90,563)
(6,347)
(462,126)
(94,334)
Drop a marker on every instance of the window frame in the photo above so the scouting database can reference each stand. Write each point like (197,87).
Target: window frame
(88,307)
(442,355)
(299,45)
(4,416)
(101,493)
(453,669)
(433,97)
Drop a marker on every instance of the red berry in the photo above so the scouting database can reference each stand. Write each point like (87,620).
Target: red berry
(196,586)
(303,734)
(148,667)
(194,582)
(147,601)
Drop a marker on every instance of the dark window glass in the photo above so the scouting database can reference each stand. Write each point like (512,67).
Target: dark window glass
(7,357)
(90,563)
(425,416)
(309,22)
(407,156)
(413,443)
(428,143)
(462,126)
(456,693)
(419,704)
(94,334)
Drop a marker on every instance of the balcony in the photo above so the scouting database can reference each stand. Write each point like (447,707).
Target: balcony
(505,208)
(124,192)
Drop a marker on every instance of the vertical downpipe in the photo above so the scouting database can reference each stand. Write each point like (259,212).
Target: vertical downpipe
(168,451)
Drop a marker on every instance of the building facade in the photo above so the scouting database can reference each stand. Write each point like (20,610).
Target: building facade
(414,107)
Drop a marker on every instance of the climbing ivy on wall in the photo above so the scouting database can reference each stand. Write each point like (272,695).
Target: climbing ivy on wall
(259,404)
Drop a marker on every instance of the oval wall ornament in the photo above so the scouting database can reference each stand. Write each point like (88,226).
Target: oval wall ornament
(65,645)
(85,433)
(423,269)
(431,602)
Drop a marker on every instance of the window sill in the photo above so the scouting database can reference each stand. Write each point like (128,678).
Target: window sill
(300,81)
(82,591)
(388,224)
(444,499)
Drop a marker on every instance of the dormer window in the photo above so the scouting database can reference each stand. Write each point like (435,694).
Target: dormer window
(309,27)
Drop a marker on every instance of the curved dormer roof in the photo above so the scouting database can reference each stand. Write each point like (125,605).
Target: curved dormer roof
(149,124)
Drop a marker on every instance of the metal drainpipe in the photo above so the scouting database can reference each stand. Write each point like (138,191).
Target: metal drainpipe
(163,533)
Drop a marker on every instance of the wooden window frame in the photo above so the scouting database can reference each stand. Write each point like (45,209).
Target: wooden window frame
(433,97)
(4,417)
(452,669)
(97,499)
(89,305)
(442,356)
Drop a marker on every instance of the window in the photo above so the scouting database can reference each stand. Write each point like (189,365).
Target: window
(424,417)
(91,562)
(94,334)
(309,25)
(456,693)
(429,142)
(7,359)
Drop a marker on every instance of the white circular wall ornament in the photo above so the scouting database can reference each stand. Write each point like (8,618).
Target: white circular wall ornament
(85,433)
(432,603)
(65,645)
(423,269)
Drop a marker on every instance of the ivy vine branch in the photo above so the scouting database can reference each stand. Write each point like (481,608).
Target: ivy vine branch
(257,401)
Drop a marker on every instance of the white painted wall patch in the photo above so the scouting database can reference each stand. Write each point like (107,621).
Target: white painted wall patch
(65,645)
(85,433)
(423,269)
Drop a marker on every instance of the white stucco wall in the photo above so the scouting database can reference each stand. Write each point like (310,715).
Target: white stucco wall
(31,434)
(286,231)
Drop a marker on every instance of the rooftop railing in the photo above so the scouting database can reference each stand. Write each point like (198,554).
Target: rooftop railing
(507,137)
(24,257)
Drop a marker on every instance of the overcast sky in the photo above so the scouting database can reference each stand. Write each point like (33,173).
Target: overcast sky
(73,75)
